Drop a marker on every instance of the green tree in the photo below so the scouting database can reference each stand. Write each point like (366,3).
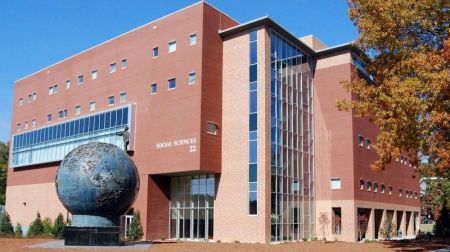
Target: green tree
(59,227)
(36,227)
(47,224)
(135,230)
(4,152)
(408,48)
(6,226)
(18,232)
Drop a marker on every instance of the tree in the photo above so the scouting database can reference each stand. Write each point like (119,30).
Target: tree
(408,48)
(59,227)
(36,227)
(323,221)
(47,224)
(442,226)
(6,226)
(135,230)
(363,224)
(388,229)
(4,152)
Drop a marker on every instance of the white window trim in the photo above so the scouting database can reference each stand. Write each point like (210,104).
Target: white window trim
(78,79)
(195,78)
(114,100)
(151,91)
(90,108)
(153,54)
(168,46)
(168,88)
(335,179)
(120,97)
(77,106)
(92,74)
(121,63)
(190,36)
(111,67)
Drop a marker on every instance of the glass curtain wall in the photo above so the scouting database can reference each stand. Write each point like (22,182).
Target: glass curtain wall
(52,143)
(192,207)
(292,197)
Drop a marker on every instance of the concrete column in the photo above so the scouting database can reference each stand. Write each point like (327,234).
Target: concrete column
(410,230)
(403,224)
(394,220)
(370,234)
(383,219)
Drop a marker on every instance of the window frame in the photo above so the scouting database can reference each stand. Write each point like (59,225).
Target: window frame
(77,109)
(121,95)
(155,49)
(171,43)
(189,78)
(151,88)
(91,108)
(168,83)
(215,133)
(94,74)
(111,98)
(112,67)
(335,180)
(191,37)
(80,80)
(123,63)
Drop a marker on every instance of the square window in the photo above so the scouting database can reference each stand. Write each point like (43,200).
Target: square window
(172,83)
(112,68)
(123,97)
(94,75)
(124,63)
(92,105)
(111,100)
(211,128)
(335,183)
(192,78)
(78,110)
(193,39)
(155,52)
(67,84)
(20,101)
(172,46)
(153,88)
(80,80)
(49,117)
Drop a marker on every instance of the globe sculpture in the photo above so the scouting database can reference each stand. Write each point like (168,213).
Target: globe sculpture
(96,182)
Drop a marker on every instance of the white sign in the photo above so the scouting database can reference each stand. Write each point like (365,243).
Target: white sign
(191,142)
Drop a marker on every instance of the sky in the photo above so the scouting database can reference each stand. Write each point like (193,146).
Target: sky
(36,34)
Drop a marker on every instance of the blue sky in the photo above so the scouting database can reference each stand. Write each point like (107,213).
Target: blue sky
(35,34)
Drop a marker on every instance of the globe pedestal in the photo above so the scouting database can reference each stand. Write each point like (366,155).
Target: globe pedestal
(93,236)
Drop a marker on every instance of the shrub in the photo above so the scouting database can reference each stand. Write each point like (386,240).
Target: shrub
(442,226)
(388,229)
(36,227)
(6,227)
(135,230)
(18,233)
(59,227)
(48,225)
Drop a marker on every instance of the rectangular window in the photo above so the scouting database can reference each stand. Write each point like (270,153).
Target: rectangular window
(20,101)
(382,188)
(211,128)
(50,90)
(65,112)
(30,98)
(67,84)
(80,80)
(92,106)
(172,83)
(155,52)
(19,126)
(253,73)
(154,88)
(34,96)
(361,141)
(112,67)
(193,39)
(124,63)
(33,123)
(77,109)
(172,46)
(192,78)
(123,97)
(111,100)
(94,75)
(60,114)
(49,117)
(335,183)
(368,143)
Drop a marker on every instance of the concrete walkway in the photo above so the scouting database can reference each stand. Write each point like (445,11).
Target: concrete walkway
(59,244)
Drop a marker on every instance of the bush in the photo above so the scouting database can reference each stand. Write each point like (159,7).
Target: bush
(6,227)
(36,227)
(59,227)
(388,229)
(135,230)
(18,233)
(442,226)
(48,225)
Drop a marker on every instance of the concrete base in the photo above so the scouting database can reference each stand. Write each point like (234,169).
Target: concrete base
(92,236)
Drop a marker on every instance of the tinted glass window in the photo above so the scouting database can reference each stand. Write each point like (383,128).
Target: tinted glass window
(119,117)
(91,124)
(252,173)
(96,124)
(102,121)
(125,115)
(252,152)
(252,122)
(113,119)
(253,73)
(253,54)
(253,102)
(107,120)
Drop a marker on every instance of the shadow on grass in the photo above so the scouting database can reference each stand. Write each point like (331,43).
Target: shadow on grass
(418,245)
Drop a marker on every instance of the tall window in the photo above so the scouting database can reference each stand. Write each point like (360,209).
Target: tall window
(361,184)
(192,78)
(172,46)
(30,98)
(50,90)
(154,88)
(77,109)
(111,100)
(94,75)
(92,106)
(26,124)
(252,131)
(155,52)
(369,186)
(390,190)
(34,96)
(375,187)
(20,101)
(112,68)
(49,117)
(368,143)
(67,84)
(193,39)
(361,141)
(172,83)
(123,97)
(33,123)
(124,63)
(80,80)
(19,126)
(382,188)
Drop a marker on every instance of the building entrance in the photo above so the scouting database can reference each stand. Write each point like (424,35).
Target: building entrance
(192,207)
